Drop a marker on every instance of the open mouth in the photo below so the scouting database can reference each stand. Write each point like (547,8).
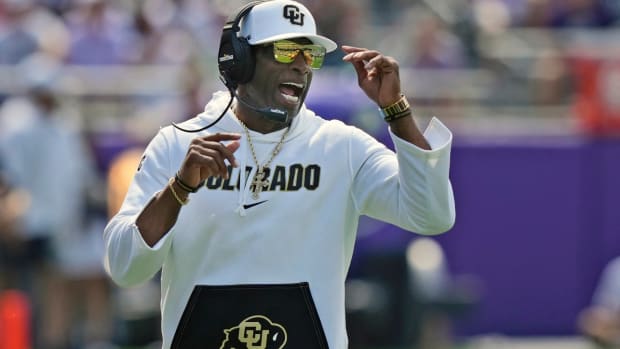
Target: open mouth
(291,91)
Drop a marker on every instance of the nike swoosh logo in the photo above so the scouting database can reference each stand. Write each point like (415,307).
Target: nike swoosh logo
(254,204)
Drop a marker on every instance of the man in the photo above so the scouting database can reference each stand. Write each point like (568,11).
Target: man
(270,195)
(14,203)
(46,160)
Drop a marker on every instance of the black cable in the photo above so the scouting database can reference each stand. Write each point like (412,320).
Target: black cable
(232,97)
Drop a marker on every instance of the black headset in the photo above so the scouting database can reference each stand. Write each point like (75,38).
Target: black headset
(236,59)
(236,63)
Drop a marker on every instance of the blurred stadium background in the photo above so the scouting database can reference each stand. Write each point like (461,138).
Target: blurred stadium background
(530,88)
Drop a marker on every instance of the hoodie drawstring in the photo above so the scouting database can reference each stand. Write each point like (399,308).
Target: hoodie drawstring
(244,188)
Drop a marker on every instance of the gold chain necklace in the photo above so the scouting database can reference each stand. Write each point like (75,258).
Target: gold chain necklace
(259,182)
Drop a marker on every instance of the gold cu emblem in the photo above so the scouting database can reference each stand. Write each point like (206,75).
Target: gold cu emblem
(255,332)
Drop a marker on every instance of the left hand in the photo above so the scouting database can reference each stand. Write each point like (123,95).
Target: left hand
(377,75)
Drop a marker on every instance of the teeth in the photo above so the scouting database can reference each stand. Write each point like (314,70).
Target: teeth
(289,98)
(301,86)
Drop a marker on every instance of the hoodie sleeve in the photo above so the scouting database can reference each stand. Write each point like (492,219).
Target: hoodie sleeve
(410,189)
(128,259)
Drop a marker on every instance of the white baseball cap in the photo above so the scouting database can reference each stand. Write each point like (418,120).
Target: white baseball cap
(281,19)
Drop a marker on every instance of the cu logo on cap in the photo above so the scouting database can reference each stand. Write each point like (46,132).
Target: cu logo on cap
(292,13)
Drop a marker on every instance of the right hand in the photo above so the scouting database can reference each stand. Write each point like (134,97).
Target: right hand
(206,157)
(377,75)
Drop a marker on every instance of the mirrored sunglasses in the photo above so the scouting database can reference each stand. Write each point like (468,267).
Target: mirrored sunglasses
(285,51)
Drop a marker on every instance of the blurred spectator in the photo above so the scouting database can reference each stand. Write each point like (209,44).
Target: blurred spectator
(29,28)
(428,45)
(56,6)
(387,11)
(436,47)
(13,204)
(537,13)
(563,13)
(138,314)
(164,36)
(119,177)
(583,13)
(50,32)
(550,81)
(341,20)
(491,16)
(46,158)
(99,32)
(16,42)
(614,7)
(601,320)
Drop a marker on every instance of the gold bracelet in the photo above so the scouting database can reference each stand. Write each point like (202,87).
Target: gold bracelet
(395,108)
(174,193)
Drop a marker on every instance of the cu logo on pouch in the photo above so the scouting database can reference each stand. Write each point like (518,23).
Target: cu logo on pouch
(292,13)
(255,332)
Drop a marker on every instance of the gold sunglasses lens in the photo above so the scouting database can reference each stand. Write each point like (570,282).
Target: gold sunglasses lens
(286,51)
(315,58)
(285,54)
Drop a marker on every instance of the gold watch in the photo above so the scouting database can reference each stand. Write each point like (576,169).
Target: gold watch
(396,108)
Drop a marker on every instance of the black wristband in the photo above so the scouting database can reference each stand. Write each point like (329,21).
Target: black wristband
(402,114)
(187,187)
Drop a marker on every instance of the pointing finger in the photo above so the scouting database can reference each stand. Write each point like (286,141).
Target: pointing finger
(222,136)
(230,149)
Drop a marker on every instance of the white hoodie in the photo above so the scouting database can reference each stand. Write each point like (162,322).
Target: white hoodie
(326,175)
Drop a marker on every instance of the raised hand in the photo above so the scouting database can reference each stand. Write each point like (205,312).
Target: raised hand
(377,75)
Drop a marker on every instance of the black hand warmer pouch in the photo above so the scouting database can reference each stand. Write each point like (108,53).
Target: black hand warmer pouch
(276,316)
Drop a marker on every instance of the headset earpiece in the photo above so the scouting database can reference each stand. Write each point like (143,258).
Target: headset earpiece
(236,59)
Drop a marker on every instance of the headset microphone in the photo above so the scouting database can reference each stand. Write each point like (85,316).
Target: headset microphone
(273,114)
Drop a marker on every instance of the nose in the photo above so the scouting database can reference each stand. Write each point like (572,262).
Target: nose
(300,64)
